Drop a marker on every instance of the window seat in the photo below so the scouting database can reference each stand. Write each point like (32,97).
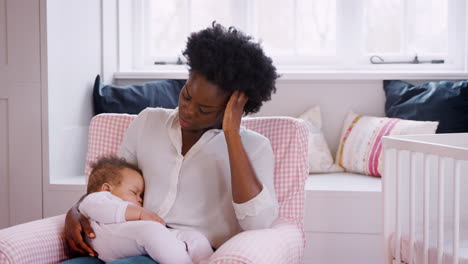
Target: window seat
(343,181)
(343,218)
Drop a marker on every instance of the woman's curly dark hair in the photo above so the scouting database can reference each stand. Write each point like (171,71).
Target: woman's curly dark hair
(232,61)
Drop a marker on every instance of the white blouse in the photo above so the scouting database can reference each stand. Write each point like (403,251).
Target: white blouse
(194,191)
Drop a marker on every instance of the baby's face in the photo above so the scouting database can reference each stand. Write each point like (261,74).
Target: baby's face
(131,187)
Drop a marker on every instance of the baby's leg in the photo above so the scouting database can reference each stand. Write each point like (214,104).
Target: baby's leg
(161,244)
(199,248)
(115,241)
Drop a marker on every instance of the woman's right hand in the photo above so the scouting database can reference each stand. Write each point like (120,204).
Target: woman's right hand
(76,226)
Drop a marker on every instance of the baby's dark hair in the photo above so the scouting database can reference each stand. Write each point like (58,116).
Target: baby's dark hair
(107,170)
(232,61)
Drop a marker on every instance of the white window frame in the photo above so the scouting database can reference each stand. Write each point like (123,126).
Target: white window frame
(346,59)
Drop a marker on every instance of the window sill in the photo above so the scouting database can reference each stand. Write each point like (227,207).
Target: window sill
(287,75)
(75,183)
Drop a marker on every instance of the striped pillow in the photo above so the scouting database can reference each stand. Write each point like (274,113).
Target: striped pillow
(360,144)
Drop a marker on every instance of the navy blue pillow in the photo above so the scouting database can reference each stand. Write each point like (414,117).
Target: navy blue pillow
(443,101)
(132,99)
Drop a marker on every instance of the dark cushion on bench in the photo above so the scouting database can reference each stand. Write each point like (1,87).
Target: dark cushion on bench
(132,99)
(443,101)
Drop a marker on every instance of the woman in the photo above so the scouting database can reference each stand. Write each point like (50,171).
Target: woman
(202,170)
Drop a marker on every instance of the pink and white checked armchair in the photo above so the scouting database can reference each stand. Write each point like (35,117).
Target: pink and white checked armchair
(42,241)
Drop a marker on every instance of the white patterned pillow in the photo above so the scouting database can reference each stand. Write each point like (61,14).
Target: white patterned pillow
(320,158)
(360,144)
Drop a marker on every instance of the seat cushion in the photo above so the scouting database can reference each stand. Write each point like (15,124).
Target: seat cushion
(343,203)
(343,181)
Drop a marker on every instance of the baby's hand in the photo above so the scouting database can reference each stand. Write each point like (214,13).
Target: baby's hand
(151,216)
(135,212)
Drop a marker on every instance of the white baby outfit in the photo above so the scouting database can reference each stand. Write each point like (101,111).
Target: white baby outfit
(117,238)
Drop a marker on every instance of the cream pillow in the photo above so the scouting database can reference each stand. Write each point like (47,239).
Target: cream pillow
(360,149)
(320,158)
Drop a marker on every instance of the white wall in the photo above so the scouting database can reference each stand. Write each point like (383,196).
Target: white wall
(74,59)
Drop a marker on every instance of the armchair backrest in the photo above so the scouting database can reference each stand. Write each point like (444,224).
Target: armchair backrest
(288,137)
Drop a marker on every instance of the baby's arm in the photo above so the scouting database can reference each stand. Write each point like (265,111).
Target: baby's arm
(104,207)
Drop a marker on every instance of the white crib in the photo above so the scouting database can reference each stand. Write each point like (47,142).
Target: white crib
(425,193)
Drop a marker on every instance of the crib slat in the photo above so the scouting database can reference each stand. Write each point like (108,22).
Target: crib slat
(440,212)
(399,172)
(388,187)
(426,185)
(456,211)
(412,207)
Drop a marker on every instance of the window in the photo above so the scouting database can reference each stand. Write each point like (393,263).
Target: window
(315,34)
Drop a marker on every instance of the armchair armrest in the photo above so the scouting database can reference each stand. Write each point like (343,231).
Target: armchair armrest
(38,242)
(282,243)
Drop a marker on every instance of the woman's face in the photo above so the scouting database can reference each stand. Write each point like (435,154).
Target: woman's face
(201,104)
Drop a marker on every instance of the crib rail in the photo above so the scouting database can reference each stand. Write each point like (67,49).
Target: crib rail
(412,157)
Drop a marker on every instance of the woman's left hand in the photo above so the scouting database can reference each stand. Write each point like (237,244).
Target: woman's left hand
(233,112)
